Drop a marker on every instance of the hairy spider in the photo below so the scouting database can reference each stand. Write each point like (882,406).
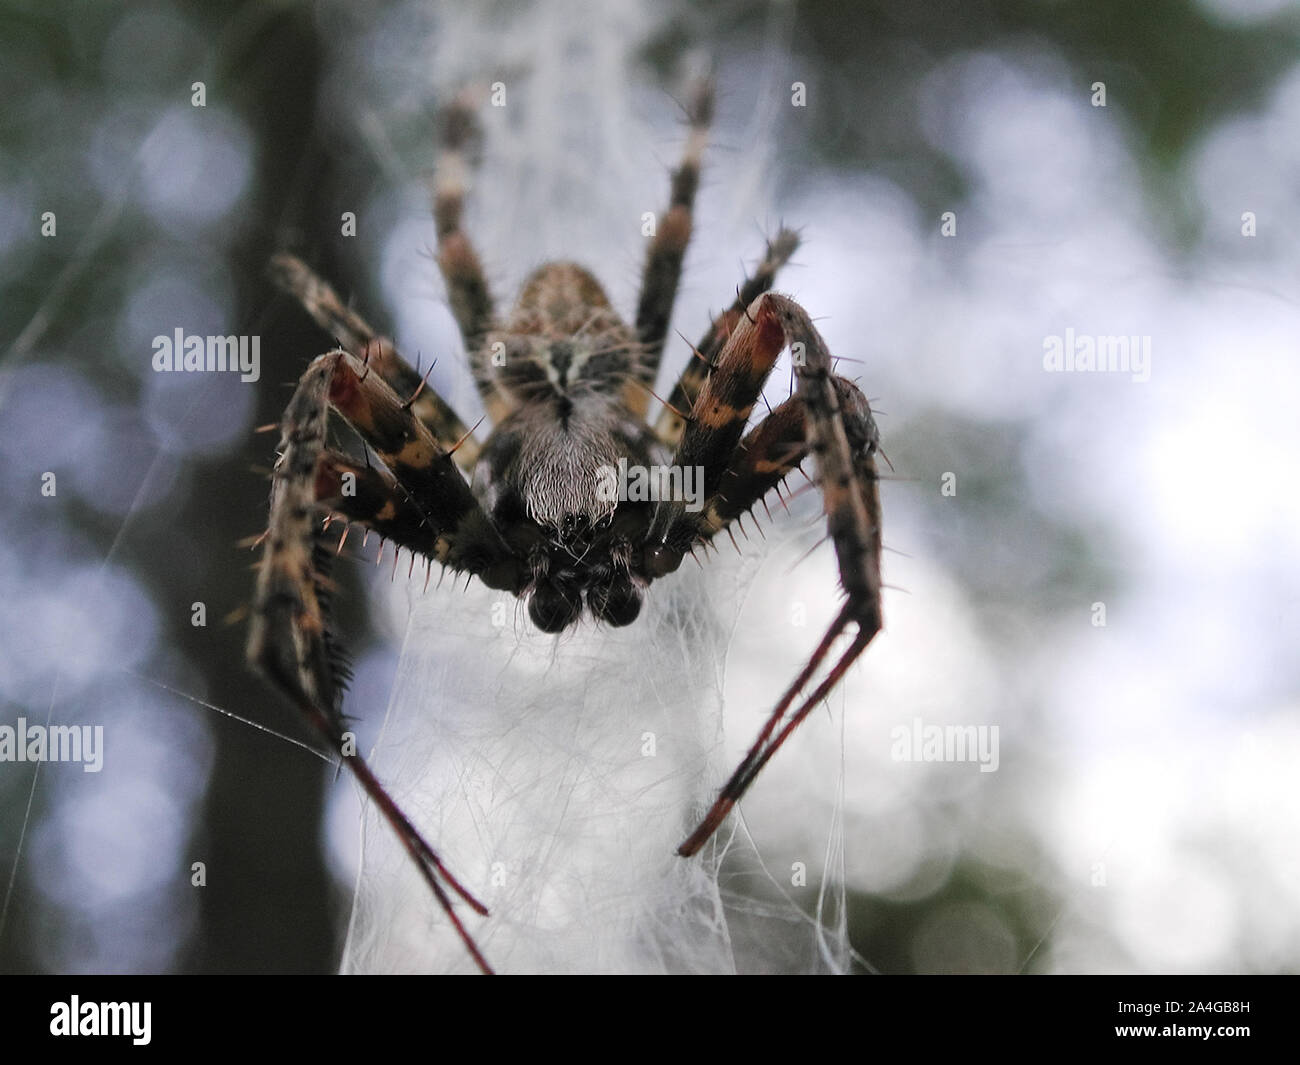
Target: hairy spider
(566,384)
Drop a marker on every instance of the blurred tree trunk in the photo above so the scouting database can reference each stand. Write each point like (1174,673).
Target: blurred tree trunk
(267,905)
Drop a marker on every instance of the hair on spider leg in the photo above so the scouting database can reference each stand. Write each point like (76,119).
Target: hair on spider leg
(253,541)
(469,433)
(238,614)
(781,495)
(806,555)
(407,404)
(641,384)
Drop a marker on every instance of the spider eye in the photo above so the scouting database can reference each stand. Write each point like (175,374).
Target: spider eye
(618,603)
(660,559)
(554,608)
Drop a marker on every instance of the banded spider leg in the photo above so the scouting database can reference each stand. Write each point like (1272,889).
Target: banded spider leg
(420,501)
(827,417)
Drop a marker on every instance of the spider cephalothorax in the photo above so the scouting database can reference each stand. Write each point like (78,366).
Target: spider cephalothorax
(566,384)
(562,362)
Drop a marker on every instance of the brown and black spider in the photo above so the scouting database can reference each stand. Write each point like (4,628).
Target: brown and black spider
(566,384)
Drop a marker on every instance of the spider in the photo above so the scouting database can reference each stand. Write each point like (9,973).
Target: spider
(566,384)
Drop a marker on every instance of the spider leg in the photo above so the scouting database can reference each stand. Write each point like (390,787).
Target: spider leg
(671,425)
(467,287)
(839,432)
(767,745)
(762,460)
(421,500)
(773,451)
(714,429)
(351,331)
(663,262)
(370,496)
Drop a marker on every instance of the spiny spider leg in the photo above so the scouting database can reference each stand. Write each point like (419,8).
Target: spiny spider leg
(763,747)
(663,262)
(435,513)
(762,460)
(467,287)
(670,425)
(841,435)
(372,497)
(379,353)
(426,859)
(718,419)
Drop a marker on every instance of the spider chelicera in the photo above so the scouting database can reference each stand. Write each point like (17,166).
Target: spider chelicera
(566,385)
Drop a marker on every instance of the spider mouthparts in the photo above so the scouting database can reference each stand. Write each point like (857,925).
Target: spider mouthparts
(554,607)
(617,604)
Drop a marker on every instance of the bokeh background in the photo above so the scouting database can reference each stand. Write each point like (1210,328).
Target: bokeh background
(1143,816)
